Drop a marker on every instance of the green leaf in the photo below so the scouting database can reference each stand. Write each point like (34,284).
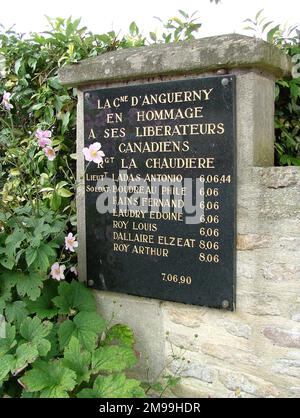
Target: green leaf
(25,354)
(133,29)
(30,285)
(112,358)
(44,306)
(15,312)
(55,201)
(172,380)
(18,64)
(86,326)
(153,36)
(37,106)
(258,14)
(183,13)
(30,255)
(61,184)
(43,346)
(74,297)
(78,360)
(6,364)
(120,333)
(54,83)
(65,121)
(8,279)
(30,395)
(64,192)
(42,262)
(271,33)
(116,386)
(8,263)
(52,380)
(13,242)
(53,339)
(32,63)
(33,329)
(9,342)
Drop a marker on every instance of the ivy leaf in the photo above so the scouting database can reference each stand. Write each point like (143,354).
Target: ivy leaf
(74,296)
(115,386)
(30,285)
(86,326)
(112,358)
(52,380)
(121,334)
(44,306)
(15,312)
(77,360)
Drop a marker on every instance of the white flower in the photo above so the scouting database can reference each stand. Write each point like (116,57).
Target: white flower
(50,153)
(93,153)
(74,270)
(43,138)
(6,101)
(70,242)
(57,271)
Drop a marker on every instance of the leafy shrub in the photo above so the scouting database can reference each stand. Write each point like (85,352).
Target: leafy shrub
(56,344)
(287,99)
(67,356)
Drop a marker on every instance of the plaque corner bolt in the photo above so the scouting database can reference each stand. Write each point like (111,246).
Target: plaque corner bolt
(225,304)
(225,82)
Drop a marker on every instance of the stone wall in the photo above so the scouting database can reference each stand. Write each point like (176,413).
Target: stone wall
(254,351)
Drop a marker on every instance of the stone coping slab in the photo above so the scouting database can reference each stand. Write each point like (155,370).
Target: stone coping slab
(186,57)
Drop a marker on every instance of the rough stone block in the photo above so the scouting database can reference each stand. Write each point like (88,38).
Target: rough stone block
(282,337)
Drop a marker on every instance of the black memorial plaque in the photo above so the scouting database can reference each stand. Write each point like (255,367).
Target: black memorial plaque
(166,131)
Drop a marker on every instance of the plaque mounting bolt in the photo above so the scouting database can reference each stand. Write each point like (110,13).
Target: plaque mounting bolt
(222,71)
(225,82)
(225,304)
(91,282)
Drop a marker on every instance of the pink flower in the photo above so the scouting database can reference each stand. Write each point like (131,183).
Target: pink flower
(70,242)
(50,153)
(6,101)
(74,270)
(92,153)
(43,138)
(57,271)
